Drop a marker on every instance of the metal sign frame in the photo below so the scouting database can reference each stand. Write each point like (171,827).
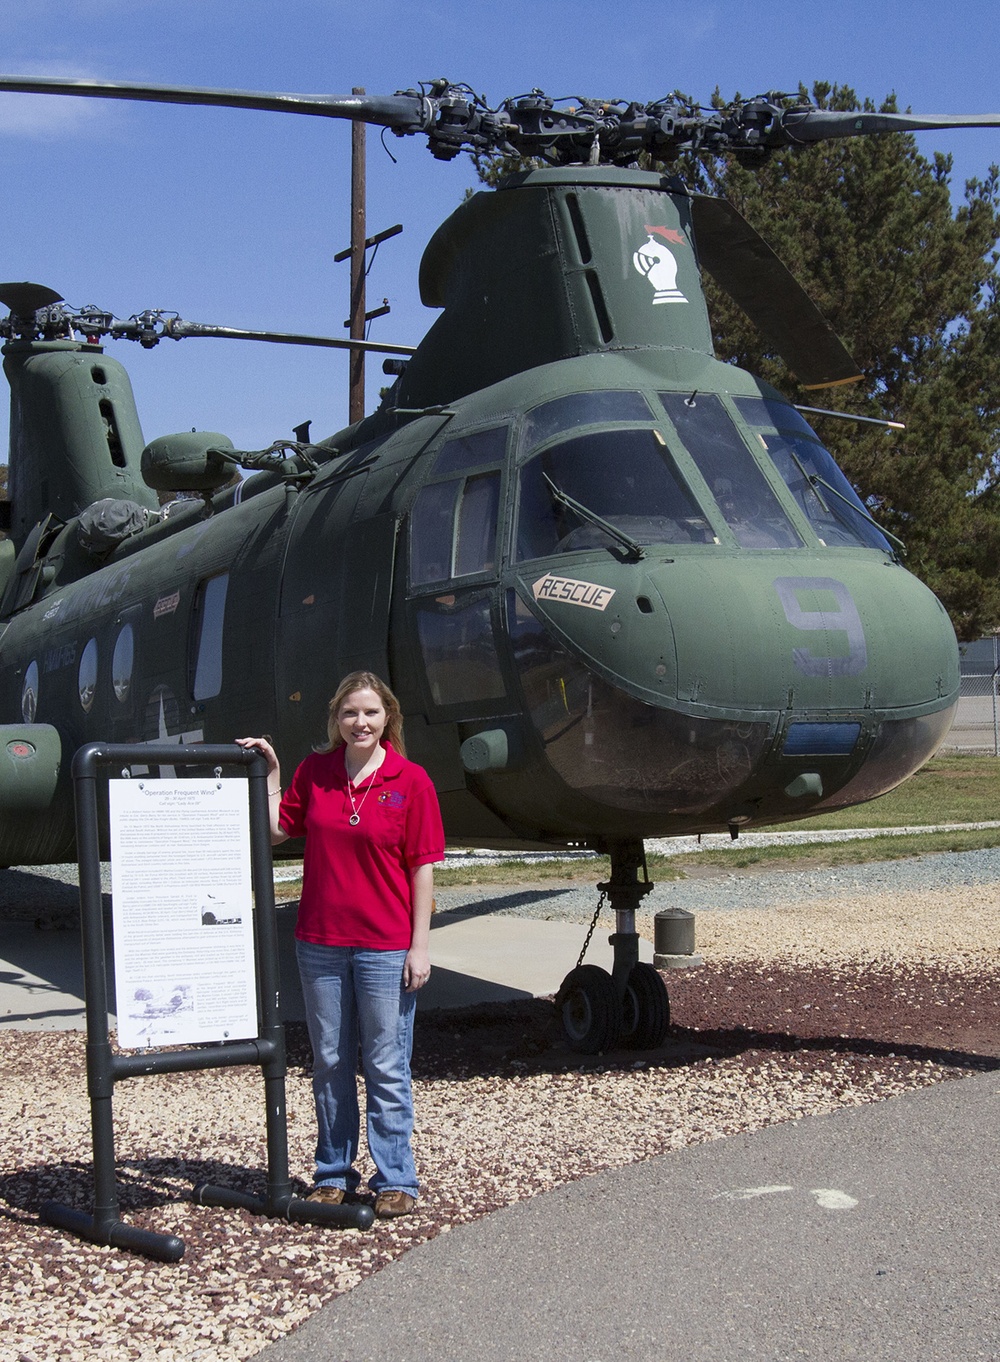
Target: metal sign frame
(105,1067)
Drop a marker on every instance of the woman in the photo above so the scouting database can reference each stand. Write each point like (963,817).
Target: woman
(373,831)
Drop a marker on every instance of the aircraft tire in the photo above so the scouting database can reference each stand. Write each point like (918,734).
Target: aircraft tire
(646,1019)
(590,1011)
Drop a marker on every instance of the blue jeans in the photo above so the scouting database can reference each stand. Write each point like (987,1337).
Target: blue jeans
(356,996)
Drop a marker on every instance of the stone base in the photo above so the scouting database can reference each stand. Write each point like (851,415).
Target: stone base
(677,961)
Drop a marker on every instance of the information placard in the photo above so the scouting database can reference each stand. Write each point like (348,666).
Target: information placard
(182,910)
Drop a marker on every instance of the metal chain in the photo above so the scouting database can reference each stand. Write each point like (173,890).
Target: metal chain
(597,913)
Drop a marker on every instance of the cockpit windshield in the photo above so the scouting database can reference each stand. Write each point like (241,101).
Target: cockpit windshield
(626,477)
(582,409)
(824,495)
(744,496)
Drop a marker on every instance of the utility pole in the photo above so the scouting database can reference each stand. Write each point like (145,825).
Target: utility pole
(356,387)
(357,254)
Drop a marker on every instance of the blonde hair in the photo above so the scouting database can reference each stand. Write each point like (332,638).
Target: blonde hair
(365,681)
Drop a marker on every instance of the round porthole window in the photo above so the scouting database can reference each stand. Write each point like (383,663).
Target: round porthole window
(29,694)
(122,663)
(87,676)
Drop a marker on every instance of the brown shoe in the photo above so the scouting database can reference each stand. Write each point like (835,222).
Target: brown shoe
(327,1196)
(390,1204)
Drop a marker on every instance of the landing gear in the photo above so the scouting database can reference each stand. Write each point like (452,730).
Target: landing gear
(646,1014)
(590,1010)
(629,1006)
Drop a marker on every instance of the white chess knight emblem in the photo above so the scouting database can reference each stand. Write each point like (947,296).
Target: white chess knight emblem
(656,261)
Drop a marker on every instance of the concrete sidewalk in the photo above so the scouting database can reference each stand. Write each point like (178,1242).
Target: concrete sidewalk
(475,959)
(868,1233)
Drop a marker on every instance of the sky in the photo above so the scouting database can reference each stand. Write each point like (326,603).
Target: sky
(233,217)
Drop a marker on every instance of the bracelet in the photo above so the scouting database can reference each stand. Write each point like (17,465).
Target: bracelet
(274,794)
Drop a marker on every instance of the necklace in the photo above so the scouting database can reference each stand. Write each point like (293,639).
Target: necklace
(355,817)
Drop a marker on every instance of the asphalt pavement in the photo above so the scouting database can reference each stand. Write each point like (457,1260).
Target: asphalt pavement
(868,1233)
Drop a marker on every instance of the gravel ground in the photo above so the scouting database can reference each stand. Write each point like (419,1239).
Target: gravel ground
(746,888)
(828,988)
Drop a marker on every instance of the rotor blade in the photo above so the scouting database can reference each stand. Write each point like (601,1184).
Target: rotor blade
(24,300)
(405,113)
(817,125)
(177,329)
(742,263)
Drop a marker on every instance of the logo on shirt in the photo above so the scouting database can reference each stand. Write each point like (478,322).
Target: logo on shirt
(392,799)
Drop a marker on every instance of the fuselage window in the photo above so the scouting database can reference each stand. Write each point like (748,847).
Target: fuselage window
(29,693)
(122,663)
(475,543)
(210,609)
(744,496)
(432,532)
(626,477)
(472,451)
(581,409)
(87,676)
(453,528)
(826,498)
(459,651)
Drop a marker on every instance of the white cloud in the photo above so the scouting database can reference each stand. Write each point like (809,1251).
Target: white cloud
(48,117)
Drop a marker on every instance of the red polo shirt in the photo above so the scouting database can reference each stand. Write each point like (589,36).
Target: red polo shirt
(356,880)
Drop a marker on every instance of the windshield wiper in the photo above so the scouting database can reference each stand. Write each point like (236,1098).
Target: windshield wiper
(815,478)
(633,549)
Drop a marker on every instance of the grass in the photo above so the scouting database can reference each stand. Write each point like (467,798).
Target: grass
(948,790)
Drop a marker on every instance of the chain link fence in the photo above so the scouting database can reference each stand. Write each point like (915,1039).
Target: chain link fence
(977,722)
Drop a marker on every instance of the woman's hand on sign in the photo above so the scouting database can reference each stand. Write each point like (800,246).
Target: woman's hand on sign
(278,833)
(264,747)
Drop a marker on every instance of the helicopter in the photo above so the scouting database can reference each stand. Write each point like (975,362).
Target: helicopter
(620,587)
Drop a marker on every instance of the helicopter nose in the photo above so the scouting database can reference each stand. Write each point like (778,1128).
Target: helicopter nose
(758,634)
(753,687)
(804,634)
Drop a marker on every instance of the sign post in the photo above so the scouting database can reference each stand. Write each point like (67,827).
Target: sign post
(196,962)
